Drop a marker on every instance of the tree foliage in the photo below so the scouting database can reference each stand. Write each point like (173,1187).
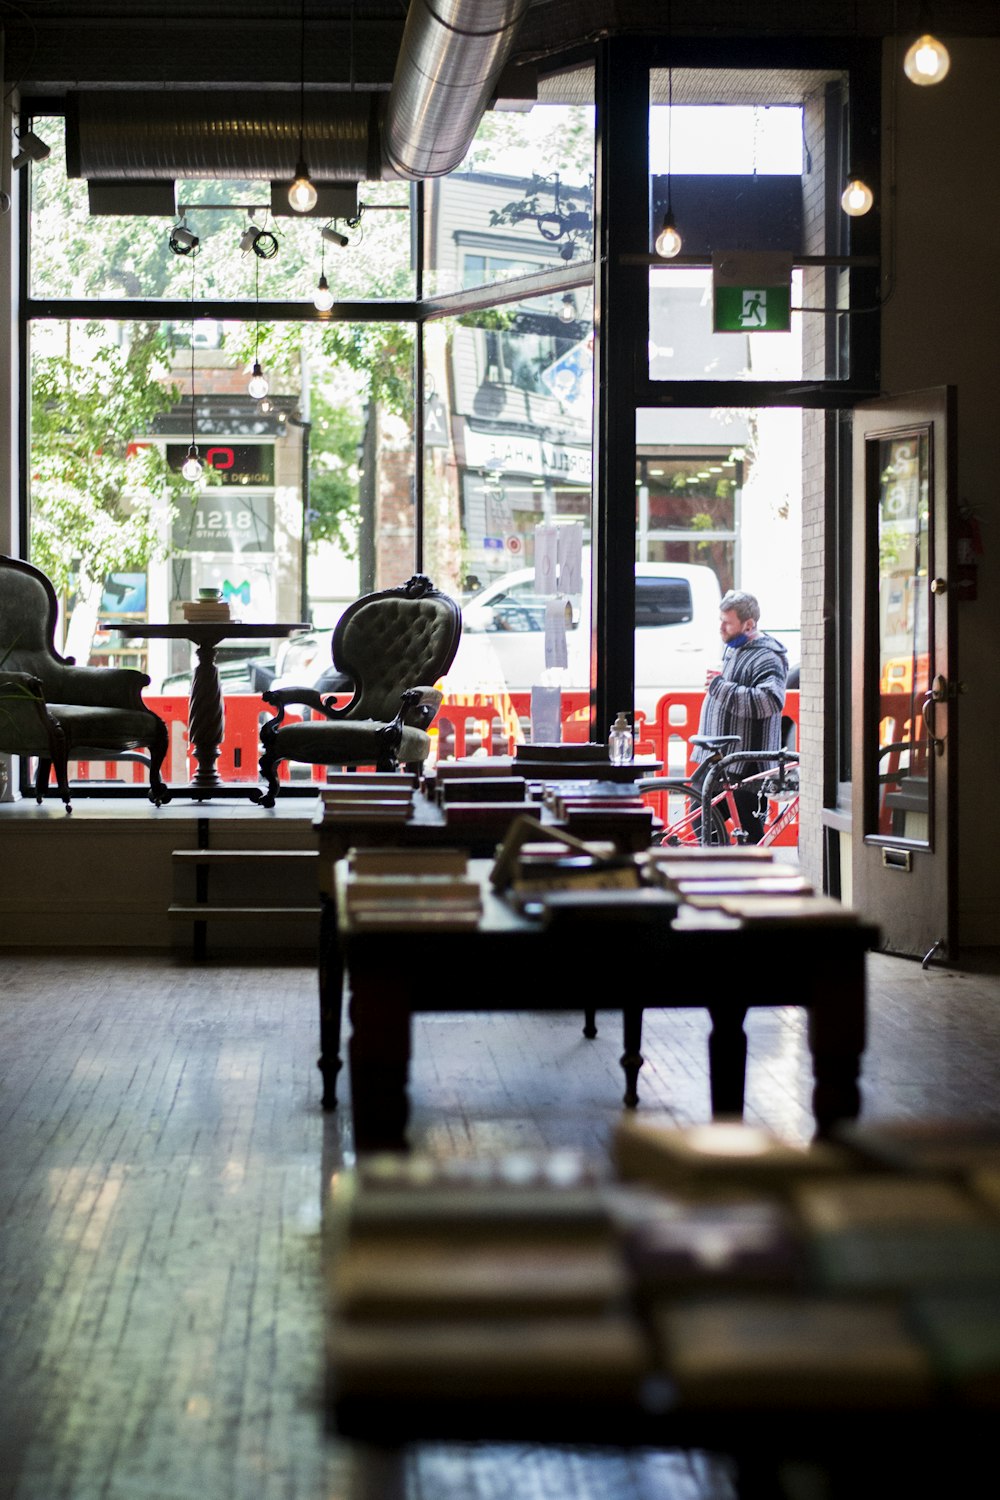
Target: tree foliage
(97,494)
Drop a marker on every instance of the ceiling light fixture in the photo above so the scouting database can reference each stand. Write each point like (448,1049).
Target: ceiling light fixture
(668,242)
(927,61)
(257,385)
(302,195)
(32,148)
(857,198)
(192,469)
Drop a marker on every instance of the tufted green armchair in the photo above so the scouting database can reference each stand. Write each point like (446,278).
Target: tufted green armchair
(57,711)
(394,646)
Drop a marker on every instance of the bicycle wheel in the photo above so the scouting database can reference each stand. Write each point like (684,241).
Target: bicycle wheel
(682,825)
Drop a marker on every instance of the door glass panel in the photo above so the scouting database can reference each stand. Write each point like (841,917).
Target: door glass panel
(904,556)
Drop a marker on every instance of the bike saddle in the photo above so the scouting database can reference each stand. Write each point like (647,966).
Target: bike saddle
(715,741)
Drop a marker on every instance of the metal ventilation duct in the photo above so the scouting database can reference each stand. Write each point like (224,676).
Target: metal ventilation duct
(221,136)
(452,54)
(449,62)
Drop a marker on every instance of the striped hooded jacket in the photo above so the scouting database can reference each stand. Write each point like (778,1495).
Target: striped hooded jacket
(748,697)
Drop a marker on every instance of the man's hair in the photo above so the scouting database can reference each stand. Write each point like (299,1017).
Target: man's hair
(745,605)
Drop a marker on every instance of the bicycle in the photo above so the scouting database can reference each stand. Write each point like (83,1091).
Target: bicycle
(707,797)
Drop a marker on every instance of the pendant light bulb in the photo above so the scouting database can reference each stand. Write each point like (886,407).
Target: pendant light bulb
(668,242)
(927,61)
(857,198)
(302,195)
(567,311)
(257,384)
(323,298)
(192,468)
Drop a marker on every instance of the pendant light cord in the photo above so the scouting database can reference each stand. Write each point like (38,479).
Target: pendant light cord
(193,265)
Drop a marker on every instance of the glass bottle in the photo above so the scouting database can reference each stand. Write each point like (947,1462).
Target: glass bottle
(620,742)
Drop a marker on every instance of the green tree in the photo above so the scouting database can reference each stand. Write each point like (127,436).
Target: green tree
(98,494)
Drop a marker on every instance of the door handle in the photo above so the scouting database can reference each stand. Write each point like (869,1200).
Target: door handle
(936,694)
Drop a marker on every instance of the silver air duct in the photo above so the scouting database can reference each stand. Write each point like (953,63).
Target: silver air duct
(450,60)
(221,135)
(452,54)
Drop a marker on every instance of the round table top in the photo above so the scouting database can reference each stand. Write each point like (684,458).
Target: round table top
(202,630)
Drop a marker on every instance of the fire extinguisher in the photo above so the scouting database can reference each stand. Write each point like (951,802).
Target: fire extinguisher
(969,547)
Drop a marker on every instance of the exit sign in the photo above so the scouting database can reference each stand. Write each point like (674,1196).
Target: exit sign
(752,291)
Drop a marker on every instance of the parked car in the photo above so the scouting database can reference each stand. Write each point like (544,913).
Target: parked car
(305,660)
(676,633)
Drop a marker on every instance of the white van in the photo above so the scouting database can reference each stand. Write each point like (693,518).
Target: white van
(676,633)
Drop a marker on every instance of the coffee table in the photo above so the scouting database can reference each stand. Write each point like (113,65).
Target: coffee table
(206,716)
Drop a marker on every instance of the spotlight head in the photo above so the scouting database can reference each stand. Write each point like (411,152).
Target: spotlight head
(33,148)
(183,240)
(334,237)
(249,238)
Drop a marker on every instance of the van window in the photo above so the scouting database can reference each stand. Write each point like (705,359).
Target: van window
(662,601)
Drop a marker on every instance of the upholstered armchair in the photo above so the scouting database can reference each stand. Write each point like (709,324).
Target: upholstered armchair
(51,708)
(394,646)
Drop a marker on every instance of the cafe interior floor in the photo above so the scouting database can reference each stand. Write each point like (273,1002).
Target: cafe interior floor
(163,1167)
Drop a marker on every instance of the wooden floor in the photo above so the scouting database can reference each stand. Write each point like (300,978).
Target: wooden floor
(162,1168)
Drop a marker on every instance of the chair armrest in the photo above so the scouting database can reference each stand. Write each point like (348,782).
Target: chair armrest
(101,687)
(20,685)
(419,706)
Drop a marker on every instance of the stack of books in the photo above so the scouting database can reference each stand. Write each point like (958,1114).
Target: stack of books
(504,1283)
(389,888)
(369,799)
(205,611)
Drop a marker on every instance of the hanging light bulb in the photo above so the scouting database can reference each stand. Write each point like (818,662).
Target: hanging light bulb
(857,198)
(668,242)
(323,297)
(192,468)
(257,384)
(302,195)
(567,312)
(927,61)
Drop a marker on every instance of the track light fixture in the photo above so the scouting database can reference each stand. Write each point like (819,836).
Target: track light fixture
(183,240)
(249,238)
(302,195)
(334,236)
(32,148)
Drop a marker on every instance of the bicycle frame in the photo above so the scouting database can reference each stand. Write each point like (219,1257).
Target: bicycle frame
(776,759)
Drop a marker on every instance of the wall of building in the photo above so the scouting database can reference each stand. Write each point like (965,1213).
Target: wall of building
(941,326)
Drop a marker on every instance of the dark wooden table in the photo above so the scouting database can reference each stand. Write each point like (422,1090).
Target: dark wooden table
(426,828)
(697,959)
(206,716)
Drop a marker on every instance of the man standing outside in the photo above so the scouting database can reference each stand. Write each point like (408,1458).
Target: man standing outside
(747,695)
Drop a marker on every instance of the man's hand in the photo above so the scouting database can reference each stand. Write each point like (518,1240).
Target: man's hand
(710,675)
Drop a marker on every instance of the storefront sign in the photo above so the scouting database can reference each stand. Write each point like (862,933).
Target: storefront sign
(506,455)
(221,521)
(234,463)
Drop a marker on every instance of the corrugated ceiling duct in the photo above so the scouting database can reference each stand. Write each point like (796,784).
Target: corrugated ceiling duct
(223,135)
(452,54)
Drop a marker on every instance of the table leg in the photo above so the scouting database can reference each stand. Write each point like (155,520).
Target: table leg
(837,1041)
(590,1023)
(206,719)
(727,1059)
(331,1000)
(379,1060)
(631,1058)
